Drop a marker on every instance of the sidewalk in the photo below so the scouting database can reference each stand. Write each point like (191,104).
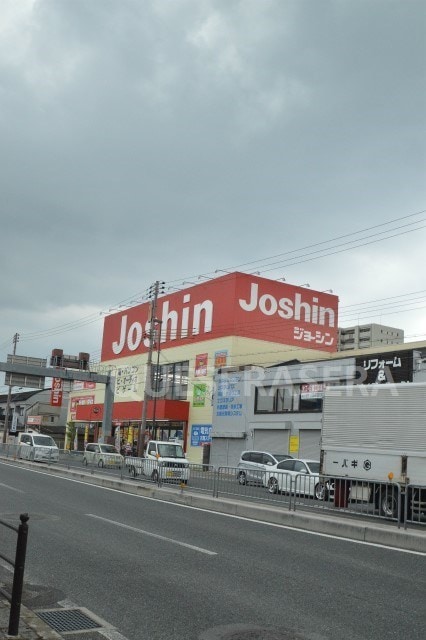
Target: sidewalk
(31,627)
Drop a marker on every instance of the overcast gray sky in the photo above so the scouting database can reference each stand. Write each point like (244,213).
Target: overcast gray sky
(165,139)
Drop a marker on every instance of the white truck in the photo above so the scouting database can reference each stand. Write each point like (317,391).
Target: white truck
(165,461)
(376,434)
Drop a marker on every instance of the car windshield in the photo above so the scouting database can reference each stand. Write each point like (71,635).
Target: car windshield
(46,441)
(313,466)
(108,448)
(281,456)
(170,451)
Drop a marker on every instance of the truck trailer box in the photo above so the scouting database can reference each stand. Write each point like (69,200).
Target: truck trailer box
(377,434)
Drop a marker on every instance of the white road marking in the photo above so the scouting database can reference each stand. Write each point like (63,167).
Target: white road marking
(153,535)
(6,486)
(228,515)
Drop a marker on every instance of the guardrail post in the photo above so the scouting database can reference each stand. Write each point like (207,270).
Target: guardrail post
(216,482)
(18,575)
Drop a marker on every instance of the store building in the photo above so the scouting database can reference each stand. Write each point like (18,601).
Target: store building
(235,320)
(279,408)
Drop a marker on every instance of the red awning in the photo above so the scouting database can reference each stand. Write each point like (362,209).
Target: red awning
(176,410)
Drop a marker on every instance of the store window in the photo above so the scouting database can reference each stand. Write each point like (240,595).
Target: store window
(284,399)
(273,400)
(264,401)
(170,381)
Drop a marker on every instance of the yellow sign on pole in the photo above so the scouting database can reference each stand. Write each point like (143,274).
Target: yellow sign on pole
(294,444)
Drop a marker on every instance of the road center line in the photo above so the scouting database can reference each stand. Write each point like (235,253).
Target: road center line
(153,535)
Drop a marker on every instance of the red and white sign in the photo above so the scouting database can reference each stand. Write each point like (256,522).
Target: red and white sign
(237,304)
(56,393)
(312,391)
(78,385)
(80,401)
(35,420)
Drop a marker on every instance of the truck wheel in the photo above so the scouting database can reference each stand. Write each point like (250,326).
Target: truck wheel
(101,463)
(154,475)
(388,502)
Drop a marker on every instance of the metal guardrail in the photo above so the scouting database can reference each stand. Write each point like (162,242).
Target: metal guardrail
(415,505)
(18,574)
(390,501)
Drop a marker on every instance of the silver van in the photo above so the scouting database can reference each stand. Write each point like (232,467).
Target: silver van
(253,466)
(37,447)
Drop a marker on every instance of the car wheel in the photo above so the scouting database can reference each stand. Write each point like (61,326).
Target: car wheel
(273,485)
(154,475)
(101,463)
(319,492)
(242,478)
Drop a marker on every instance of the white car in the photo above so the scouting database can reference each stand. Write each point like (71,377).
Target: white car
(301,477)
(253,465)
(102,455)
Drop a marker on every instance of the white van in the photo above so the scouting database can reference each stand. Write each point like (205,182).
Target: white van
(37,447)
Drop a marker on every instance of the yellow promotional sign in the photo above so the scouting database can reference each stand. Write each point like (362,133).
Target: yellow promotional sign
(294,444)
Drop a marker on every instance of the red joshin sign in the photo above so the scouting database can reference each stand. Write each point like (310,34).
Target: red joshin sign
(56,393)
(237,304)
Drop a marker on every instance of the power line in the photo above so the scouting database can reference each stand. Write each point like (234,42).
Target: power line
(92,318)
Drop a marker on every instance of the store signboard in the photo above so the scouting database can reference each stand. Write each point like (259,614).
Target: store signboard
(236,304)
(312,391)
(201,435)
(56,392)
(391,366)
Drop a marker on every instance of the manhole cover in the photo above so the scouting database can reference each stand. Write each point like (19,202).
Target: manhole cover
(248,632)
(68,620)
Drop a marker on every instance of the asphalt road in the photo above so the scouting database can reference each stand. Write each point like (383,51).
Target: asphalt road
(160,571)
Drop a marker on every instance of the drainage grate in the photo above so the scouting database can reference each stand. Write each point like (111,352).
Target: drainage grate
(68,620)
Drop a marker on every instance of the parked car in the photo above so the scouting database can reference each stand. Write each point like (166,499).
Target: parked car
(301,477)
(253,465)
(102,455)
(37,447)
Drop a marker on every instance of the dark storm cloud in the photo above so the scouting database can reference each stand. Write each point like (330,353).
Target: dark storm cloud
(162,139)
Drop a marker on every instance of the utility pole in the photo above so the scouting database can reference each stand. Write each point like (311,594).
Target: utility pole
(154,291)
(9,394)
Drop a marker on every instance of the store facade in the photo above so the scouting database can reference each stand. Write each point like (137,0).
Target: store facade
(279,408)
(233,320)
